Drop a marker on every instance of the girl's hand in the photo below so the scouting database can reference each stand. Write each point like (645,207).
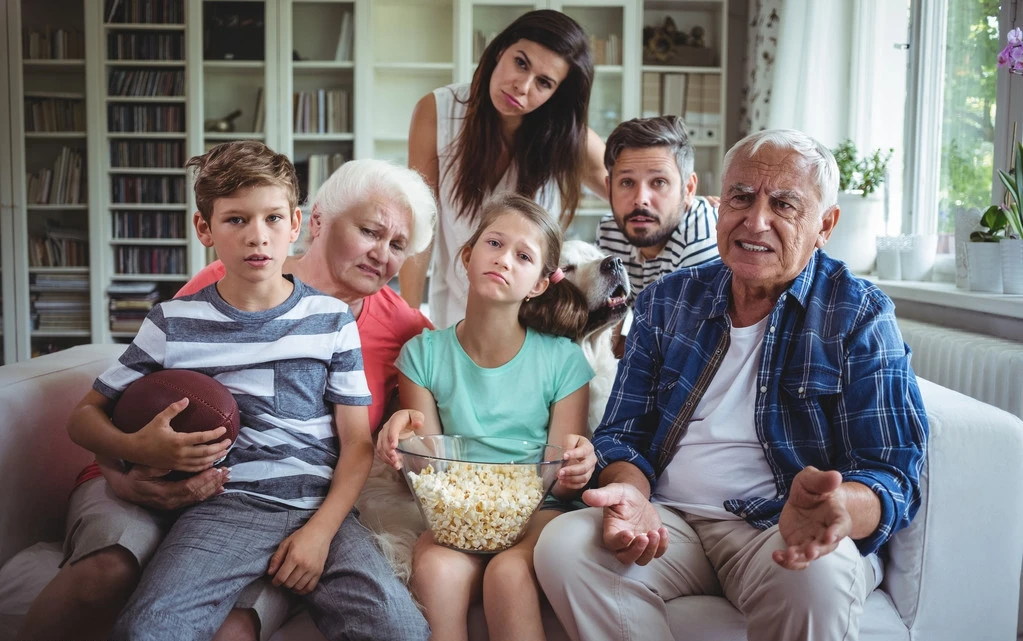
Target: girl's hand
(159,445)
(298,562)
(579,463)
(402,424)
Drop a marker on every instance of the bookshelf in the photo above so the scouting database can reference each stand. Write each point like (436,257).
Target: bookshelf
(146,216)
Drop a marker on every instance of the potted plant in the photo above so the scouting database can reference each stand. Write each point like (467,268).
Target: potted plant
(861,217)
(1000,239)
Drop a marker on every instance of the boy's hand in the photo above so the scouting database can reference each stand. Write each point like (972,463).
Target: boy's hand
(403,424)
(298,562)
(580,462)
(159,445)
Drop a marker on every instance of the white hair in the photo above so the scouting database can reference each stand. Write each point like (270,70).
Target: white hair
(822,161)
(357,181)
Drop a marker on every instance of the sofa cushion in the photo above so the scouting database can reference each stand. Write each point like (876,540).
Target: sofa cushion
(22,578)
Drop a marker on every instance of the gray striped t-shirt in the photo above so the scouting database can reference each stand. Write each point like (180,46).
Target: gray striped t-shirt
(285,366)
(693,242)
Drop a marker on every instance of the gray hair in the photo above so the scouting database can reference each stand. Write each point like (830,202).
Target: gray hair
(821,160)
(357,181)
(660,131)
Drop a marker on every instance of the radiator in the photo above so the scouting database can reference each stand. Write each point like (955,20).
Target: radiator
(988,369)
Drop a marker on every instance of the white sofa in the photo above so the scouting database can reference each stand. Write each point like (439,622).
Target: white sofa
(953,575)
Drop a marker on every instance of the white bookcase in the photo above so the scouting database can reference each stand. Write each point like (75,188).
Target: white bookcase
(395,52)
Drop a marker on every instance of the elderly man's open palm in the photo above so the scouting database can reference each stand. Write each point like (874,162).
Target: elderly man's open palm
(632,527)
(814,519)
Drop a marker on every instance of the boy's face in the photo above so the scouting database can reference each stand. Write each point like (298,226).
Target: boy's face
(251,230)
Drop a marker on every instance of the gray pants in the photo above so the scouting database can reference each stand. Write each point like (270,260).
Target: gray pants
(218,547)
(598,598)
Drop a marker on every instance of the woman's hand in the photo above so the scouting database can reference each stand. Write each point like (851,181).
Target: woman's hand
(158,445)
(403,424)
(579,463)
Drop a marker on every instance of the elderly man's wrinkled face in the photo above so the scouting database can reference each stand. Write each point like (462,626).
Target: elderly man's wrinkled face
(769,221)
(367,244)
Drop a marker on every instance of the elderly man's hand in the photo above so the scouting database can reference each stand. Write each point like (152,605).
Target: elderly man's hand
(144,486)
(632,527)
(815,518)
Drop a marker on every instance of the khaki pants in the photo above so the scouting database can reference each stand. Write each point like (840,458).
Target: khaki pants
(598,598)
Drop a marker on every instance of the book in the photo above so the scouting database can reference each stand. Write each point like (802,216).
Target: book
(258,112)
(344,38)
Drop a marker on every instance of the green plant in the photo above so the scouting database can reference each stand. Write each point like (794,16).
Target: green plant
(1005,220)
(866,174)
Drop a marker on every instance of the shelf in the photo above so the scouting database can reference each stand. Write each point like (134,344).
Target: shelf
(55,207)
(56,135)
(688,5)
(57,95)
(152,242)
(608,69)
(68,333)
(322,65)
(678,69)
(391,138)
(154,135)
(234,135)
(145,63)
(149,206)
(234,65)
(50,64)
(946,295)
(59,270)
(323,137)
(158,171)
(156,99)
(163,278)
(143,26)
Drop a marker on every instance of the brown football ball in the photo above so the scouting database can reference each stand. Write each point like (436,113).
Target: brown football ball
(210,405)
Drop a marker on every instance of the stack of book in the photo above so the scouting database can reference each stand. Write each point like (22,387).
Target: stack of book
(696,97)
(130,303)
(606,51)
(60,302)
(54,114)
(60,186)
(59,247)
(324,111)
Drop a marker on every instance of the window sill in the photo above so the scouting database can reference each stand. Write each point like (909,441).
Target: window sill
(946,295)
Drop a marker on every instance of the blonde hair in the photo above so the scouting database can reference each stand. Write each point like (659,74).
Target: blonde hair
(561,309)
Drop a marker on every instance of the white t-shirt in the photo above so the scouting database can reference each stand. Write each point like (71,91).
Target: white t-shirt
(720,457)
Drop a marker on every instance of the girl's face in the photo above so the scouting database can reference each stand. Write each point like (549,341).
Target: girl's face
(526,76)
(506,263)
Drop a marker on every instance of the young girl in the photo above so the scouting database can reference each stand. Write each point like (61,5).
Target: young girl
(530,94)
(507,370)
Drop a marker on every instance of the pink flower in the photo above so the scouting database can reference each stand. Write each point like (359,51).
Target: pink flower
(1015,37)
(1012,55)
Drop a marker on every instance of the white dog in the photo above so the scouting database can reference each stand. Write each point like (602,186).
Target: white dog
(387,507)
(605,284)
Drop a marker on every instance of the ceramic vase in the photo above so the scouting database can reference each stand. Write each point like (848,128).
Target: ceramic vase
(984,261)
(966,222)
(860,222)
(1012,265)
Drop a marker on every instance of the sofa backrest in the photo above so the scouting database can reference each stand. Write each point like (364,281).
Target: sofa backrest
(38,461)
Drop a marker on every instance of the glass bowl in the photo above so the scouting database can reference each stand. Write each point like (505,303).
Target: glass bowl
(477,494)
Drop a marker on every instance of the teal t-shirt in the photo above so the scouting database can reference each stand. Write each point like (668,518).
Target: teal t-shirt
(510,401)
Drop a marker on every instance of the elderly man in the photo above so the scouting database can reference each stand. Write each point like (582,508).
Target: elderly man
(657,222)
(765,434)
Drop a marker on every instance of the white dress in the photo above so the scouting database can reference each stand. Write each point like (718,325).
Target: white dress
(448,283)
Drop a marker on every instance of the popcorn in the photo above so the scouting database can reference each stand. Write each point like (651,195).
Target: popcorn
(480,508)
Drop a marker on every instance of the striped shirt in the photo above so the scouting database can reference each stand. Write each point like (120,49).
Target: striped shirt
(693,242)
(834,382)
(285,366)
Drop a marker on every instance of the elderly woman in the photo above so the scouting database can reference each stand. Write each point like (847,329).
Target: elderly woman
(366,219)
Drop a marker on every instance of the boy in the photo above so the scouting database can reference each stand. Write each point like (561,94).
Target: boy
(288,353)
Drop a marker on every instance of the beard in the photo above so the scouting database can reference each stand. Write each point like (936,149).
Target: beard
(656,236)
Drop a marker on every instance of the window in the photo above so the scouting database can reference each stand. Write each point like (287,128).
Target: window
(958,109)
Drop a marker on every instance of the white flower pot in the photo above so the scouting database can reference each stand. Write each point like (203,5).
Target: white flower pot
(1012,265)
(966,221)
(984,261)
(860,222)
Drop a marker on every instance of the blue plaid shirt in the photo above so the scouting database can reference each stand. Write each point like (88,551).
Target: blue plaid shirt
(835,386)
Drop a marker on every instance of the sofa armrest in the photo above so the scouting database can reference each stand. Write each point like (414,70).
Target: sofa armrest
(958,563)
(38,461)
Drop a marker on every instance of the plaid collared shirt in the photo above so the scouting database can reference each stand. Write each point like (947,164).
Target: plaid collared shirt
(835,386)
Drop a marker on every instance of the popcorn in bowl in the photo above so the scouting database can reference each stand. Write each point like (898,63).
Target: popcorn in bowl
(477,494)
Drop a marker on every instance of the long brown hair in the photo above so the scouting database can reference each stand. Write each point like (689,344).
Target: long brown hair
(550,142)
(561,309)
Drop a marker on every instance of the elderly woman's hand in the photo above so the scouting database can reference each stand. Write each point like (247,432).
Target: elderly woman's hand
(403,424)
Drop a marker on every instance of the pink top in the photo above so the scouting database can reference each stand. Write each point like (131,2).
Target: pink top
(385,324)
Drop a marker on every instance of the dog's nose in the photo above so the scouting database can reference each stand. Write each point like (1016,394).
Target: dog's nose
(611,264)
